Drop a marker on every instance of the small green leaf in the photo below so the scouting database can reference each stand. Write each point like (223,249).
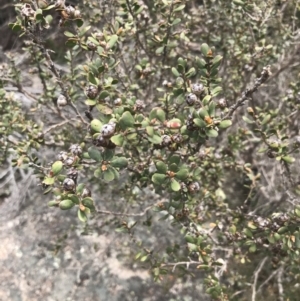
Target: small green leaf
(199,122)
(160,115)
(98,173)
(204,49)
(175,186)
(212,133)
(173,167)
(53,203)
(175,159)
(144,258)
(49,181)
(217,60)
(252,248)
(176,21)
(266,119)
(108,154)
(74,198)
(247,120)
(158,178)
(103,94)
(225,124)
(180,7)
(66,204)
(175,72)
(57,167)
(206,99)
(90,102)
(182,174)
(119,162)
(92,79)
(191,72)
(69,34)
(104,109)
(150,130)
(190,239)
(271,239)
(288,159)
(95,154)
(112,41)
(159,50)
(212,108)
(96,125)
(117,139)
(248,233)
(203,112)
(89,203)
(79,22)
(155,139)
(126,120)
(201,63)
(108,175)
(80,188)
(82,216)
(297,211)
(161,167)
(216,91)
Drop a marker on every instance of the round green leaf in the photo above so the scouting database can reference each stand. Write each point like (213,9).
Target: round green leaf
(112,41)
(89,203)
(103,94)
(204,49)
(174,159)
(108,175)
(175,186)
(96,125)
(126,120)
(150,130)
(182,174)
(104,109)
(117,139)
(95,154)
(203,112)
(225,124)
(158,178)
(49,181)
(74,198)
(108,154)
(212,133)
(161,167)
(175,72)
(57,167)
(288,159)
(119,162)
(79,188)
(52,203)
(155,139)
(199,122)
(82,216)
(66,204)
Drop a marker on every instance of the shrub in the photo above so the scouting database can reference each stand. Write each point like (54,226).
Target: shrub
(192,103)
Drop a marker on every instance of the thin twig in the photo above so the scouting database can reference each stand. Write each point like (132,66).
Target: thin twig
(267,280)
(279,283)
(186,263)
(58,125)
(248,93)
(256,274)
(129,214)
(60,83)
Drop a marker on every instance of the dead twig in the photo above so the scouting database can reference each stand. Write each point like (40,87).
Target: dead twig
(256,274)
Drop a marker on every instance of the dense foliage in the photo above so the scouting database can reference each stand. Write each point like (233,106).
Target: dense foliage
(189,110)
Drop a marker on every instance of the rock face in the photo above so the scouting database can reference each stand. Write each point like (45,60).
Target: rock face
(47,254)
